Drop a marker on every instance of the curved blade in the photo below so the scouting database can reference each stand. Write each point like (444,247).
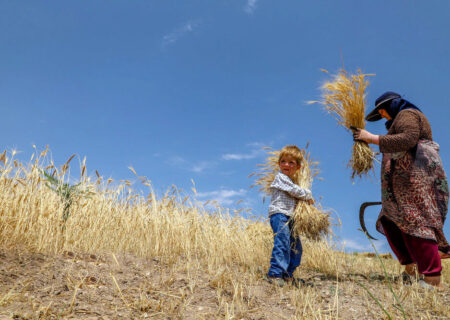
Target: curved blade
(363,207)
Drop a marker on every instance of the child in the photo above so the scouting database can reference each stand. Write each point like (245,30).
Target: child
(287,251)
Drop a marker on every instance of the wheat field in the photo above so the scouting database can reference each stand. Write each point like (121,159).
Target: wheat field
(40,213)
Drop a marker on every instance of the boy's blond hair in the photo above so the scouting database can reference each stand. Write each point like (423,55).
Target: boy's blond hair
(293,152)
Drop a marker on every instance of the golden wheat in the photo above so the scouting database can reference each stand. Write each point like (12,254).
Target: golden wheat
(344,98)
(234,252)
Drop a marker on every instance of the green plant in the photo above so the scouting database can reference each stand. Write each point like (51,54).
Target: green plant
(66,191)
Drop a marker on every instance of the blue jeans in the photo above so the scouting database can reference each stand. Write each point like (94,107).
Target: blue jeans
(287,251)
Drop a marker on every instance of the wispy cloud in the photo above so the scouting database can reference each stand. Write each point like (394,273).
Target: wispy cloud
(175,161)
(187,165)
(176,34)
(250,7)
(224,197)
(357,245)
(201,166)
(255,152)
(240,156)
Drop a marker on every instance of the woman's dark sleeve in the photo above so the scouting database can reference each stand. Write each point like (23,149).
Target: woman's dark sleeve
(407,133)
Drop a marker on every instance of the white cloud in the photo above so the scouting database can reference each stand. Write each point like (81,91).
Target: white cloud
(180,162)
(358,245)
(176,34)
(257,150)
(201,166)
(239,156)
(224,197)
(250,7)
(175,161)
(353,245)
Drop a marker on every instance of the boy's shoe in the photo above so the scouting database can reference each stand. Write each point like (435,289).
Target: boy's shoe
(274,280)
(296,282)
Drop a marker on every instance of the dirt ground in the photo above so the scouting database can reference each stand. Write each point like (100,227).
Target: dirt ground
(88,286)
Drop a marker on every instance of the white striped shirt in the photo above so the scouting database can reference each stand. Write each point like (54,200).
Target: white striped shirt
(285,195)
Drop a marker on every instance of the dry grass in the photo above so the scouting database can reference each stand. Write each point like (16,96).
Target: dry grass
(344,98)
(309,220)
(188,262)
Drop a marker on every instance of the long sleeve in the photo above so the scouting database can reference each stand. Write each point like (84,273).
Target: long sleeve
(284,183)
(404,134)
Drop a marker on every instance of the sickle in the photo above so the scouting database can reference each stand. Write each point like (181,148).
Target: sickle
(363,207)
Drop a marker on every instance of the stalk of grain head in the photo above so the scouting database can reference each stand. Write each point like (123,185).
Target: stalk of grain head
(344,98)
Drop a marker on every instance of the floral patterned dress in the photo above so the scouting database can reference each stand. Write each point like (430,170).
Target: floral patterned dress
(414,186)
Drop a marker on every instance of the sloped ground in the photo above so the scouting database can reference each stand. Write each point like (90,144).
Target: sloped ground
(88,286)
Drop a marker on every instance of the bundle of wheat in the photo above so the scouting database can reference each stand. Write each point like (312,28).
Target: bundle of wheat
(308,220)
(344,98)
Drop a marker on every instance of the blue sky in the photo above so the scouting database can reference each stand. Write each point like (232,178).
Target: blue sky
(185,90)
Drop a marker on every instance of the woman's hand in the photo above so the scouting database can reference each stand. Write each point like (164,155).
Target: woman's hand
(364,135)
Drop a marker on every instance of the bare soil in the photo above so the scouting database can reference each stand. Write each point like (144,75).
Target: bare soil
(88,286)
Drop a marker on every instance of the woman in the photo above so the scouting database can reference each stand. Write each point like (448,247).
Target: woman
(413,185)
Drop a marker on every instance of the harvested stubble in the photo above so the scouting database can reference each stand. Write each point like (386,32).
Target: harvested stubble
(309,220)
(344,98)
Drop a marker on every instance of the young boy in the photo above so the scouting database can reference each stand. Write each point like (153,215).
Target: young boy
(287,251)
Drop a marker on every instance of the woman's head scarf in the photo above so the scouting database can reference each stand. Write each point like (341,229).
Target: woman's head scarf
(393,103)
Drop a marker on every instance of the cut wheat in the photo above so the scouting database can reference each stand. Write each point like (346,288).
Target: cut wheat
(344,98)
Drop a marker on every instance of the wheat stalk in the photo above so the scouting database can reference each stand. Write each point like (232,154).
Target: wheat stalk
(344,98)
